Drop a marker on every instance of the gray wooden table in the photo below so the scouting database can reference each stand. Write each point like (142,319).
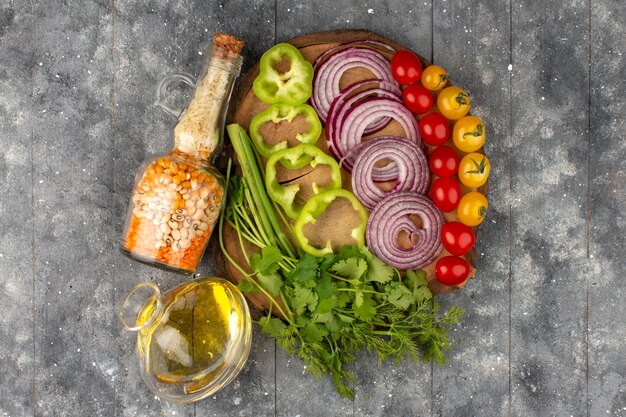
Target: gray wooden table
(544,332)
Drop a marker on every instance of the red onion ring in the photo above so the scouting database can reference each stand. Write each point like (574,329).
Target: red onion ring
(391,216)
(350,131)
(387,172)
(366,42)
(328,74)
(345,101)
(412,169)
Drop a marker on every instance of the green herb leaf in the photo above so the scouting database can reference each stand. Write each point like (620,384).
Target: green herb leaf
(400,296)
(271,282)
(313,332)
(351,268)
(246,286)
(304,298)
(349,251)
(272,326)
(325,287)
(417,282)
(367,310)
(326,304)
(379,271)
(305,272)
(267,261)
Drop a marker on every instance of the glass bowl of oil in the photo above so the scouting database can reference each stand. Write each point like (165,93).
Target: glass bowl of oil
(192,340)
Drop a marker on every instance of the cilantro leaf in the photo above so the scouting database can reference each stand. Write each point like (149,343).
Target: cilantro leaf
(272,326)
(400,296)
(417,282)
(367,310)
(271,282)
(351,268)
(349,251)
(344,297)
(305,272)
(267,261)
(326,304)
(313,332)
(246,286)
(379,271)
(303,298)
(417,278)
(325,287)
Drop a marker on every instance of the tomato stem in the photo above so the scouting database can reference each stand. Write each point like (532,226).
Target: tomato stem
(480,168)
(461,99)
(478,132)
(442,79)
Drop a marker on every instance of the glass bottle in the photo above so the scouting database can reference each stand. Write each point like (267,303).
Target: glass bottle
(177,197)
(192,340)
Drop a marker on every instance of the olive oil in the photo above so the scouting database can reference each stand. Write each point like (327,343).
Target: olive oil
(194,339)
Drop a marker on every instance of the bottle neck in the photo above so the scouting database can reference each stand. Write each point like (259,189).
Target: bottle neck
(200,129)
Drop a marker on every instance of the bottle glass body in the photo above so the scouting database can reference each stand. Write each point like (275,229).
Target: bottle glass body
(177,197)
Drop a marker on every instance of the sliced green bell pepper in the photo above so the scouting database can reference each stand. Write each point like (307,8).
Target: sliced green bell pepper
(280,112)
(293,86)
(314,209)
(295,158)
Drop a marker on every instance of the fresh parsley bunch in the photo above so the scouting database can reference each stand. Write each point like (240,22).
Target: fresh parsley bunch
(347,302)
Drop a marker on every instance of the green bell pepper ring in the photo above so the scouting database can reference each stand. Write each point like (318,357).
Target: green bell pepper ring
(298,157)
(280,112)
(293,86)
(314,209)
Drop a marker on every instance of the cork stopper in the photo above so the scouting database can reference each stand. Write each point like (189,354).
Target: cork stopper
(230,43)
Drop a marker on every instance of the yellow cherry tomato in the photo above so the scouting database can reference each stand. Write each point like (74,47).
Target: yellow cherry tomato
(453,103)
(474,170)
(469,134)
(472,208)
(434,77)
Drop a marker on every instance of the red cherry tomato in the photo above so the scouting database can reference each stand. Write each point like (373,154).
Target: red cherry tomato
(417,98)
(452,270)
(457,238)
(444,161)
(406,67)
(446,194)
(434,129)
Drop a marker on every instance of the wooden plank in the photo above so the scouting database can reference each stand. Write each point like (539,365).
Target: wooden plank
(76,356)
(151,41)
(390,390)
(471,41)
(16,226)
(548,197)
(606,285)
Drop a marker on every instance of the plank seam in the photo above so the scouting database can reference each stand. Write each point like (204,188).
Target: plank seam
(32,209)
(588,231)
(113,145)
(510,225)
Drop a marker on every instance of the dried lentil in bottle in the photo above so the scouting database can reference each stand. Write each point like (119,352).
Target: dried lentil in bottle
(178,197)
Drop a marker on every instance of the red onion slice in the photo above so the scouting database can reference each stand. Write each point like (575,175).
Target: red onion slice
(344,101)
(366,42)
(391,216)
(350,132)
(412,169)
(328,74)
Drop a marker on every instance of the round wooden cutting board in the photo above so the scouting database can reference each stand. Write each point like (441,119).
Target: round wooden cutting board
(339,218)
